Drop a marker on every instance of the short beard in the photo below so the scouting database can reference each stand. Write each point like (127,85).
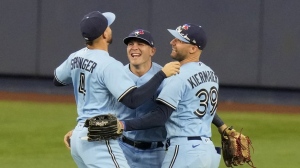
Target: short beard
(178,57)
(110,41)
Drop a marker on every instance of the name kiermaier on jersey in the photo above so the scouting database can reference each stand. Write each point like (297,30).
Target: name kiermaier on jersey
(83,63)
(202,77)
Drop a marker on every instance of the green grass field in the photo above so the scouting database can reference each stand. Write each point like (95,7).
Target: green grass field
(32,135)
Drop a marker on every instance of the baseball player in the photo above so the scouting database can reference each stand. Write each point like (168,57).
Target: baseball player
(187,104)
(143,148)
(99,82)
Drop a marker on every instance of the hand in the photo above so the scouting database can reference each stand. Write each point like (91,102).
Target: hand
(222,128)
(171,68)
(120,127)
(67,139)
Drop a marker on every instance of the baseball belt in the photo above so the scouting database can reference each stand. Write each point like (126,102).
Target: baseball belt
(142,145)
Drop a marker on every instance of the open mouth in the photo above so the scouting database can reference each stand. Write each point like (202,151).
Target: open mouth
(135,55)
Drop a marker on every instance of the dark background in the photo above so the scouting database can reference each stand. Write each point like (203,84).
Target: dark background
(251,43)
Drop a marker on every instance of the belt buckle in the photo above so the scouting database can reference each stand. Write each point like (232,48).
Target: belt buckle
(136,143)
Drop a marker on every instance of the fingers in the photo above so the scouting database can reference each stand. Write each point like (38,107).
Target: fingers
(171,68)
(120,127)
(67,139)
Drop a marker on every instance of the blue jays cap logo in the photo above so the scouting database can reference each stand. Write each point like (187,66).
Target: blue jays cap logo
(183,31)
(139,32)
(193,34)
(185,26)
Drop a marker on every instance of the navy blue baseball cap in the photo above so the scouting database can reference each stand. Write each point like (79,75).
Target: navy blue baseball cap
(94,24)
(140,34)
(190,33)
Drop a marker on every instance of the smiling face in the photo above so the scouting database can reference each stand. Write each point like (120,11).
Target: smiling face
(180,49)
(139,53)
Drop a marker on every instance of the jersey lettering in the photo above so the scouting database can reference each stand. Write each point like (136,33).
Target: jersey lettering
(83,63)
(201,77)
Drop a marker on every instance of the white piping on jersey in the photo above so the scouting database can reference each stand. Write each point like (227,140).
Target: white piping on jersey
(174,156)
(129,89)
(58,79)
(165,102)
(111,154)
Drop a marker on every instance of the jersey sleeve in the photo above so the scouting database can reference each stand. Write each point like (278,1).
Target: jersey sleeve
(172,91)
(117,80)
(63,73)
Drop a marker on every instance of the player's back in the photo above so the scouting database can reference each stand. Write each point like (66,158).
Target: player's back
(194,94)
(94,76)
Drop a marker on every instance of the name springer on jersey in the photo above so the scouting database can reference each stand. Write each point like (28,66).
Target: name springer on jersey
(82,63)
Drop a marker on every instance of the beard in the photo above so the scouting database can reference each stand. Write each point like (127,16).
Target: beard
(178,57)
(110,41)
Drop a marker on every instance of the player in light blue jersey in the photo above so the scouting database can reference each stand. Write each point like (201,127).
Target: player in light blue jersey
(99,82)
(187,105)
(143,148)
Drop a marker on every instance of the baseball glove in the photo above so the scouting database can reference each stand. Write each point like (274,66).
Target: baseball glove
(235,148)
(103,127)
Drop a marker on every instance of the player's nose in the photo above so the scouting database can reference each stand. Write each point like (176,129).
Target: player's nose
(172,41)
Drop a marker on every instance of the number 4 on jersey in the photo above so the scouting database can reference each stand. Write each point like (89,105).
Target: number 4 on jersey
(81,88)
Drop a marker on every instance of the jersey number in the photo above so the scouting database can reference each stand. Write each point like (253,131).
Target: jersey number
(206,99)
(81,88)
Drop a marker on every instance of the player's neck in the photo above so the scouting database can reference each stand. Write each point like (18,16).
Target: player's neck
(140,70)
(98,48)
(190,59)
(99,44)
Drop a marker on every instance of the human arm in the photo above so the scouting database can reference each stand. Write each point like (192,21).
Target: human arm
(62,75)
(57,83)
(67,139)
(217,121)
(155,118)
(137,96)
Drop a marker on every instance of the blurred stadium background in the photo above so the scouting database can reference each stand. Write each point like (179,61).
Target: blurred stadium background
(252,44)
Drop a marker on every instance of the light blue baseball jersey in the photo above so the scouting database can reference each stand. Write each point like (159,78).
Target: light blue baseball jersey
(193,94)
(149,135)
(150,158)
(98,79)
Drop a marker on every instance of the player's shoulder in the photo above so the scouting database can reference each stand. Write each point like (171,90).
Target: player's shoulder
(205,66)
(156,65)
(77,53)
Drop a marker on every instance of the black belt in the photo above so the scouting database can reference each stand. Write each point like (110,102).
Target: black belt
(194,138)
(140,144)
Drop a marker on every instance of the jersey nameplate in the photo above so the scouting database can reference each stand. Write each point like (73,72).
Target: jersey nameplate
(201,77)
(83,63)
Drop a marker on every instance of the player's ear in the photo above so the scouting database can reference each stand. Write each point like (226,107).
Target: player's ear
(105,34)
(193,49)
(152,51)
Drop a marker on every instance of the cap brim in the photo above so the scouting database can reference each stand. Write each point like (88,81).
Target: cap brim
(127,39)
(177,35)
(110,17)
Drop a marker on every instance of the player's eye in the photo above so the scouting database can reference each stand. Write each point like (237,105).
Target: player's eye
(179,41)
